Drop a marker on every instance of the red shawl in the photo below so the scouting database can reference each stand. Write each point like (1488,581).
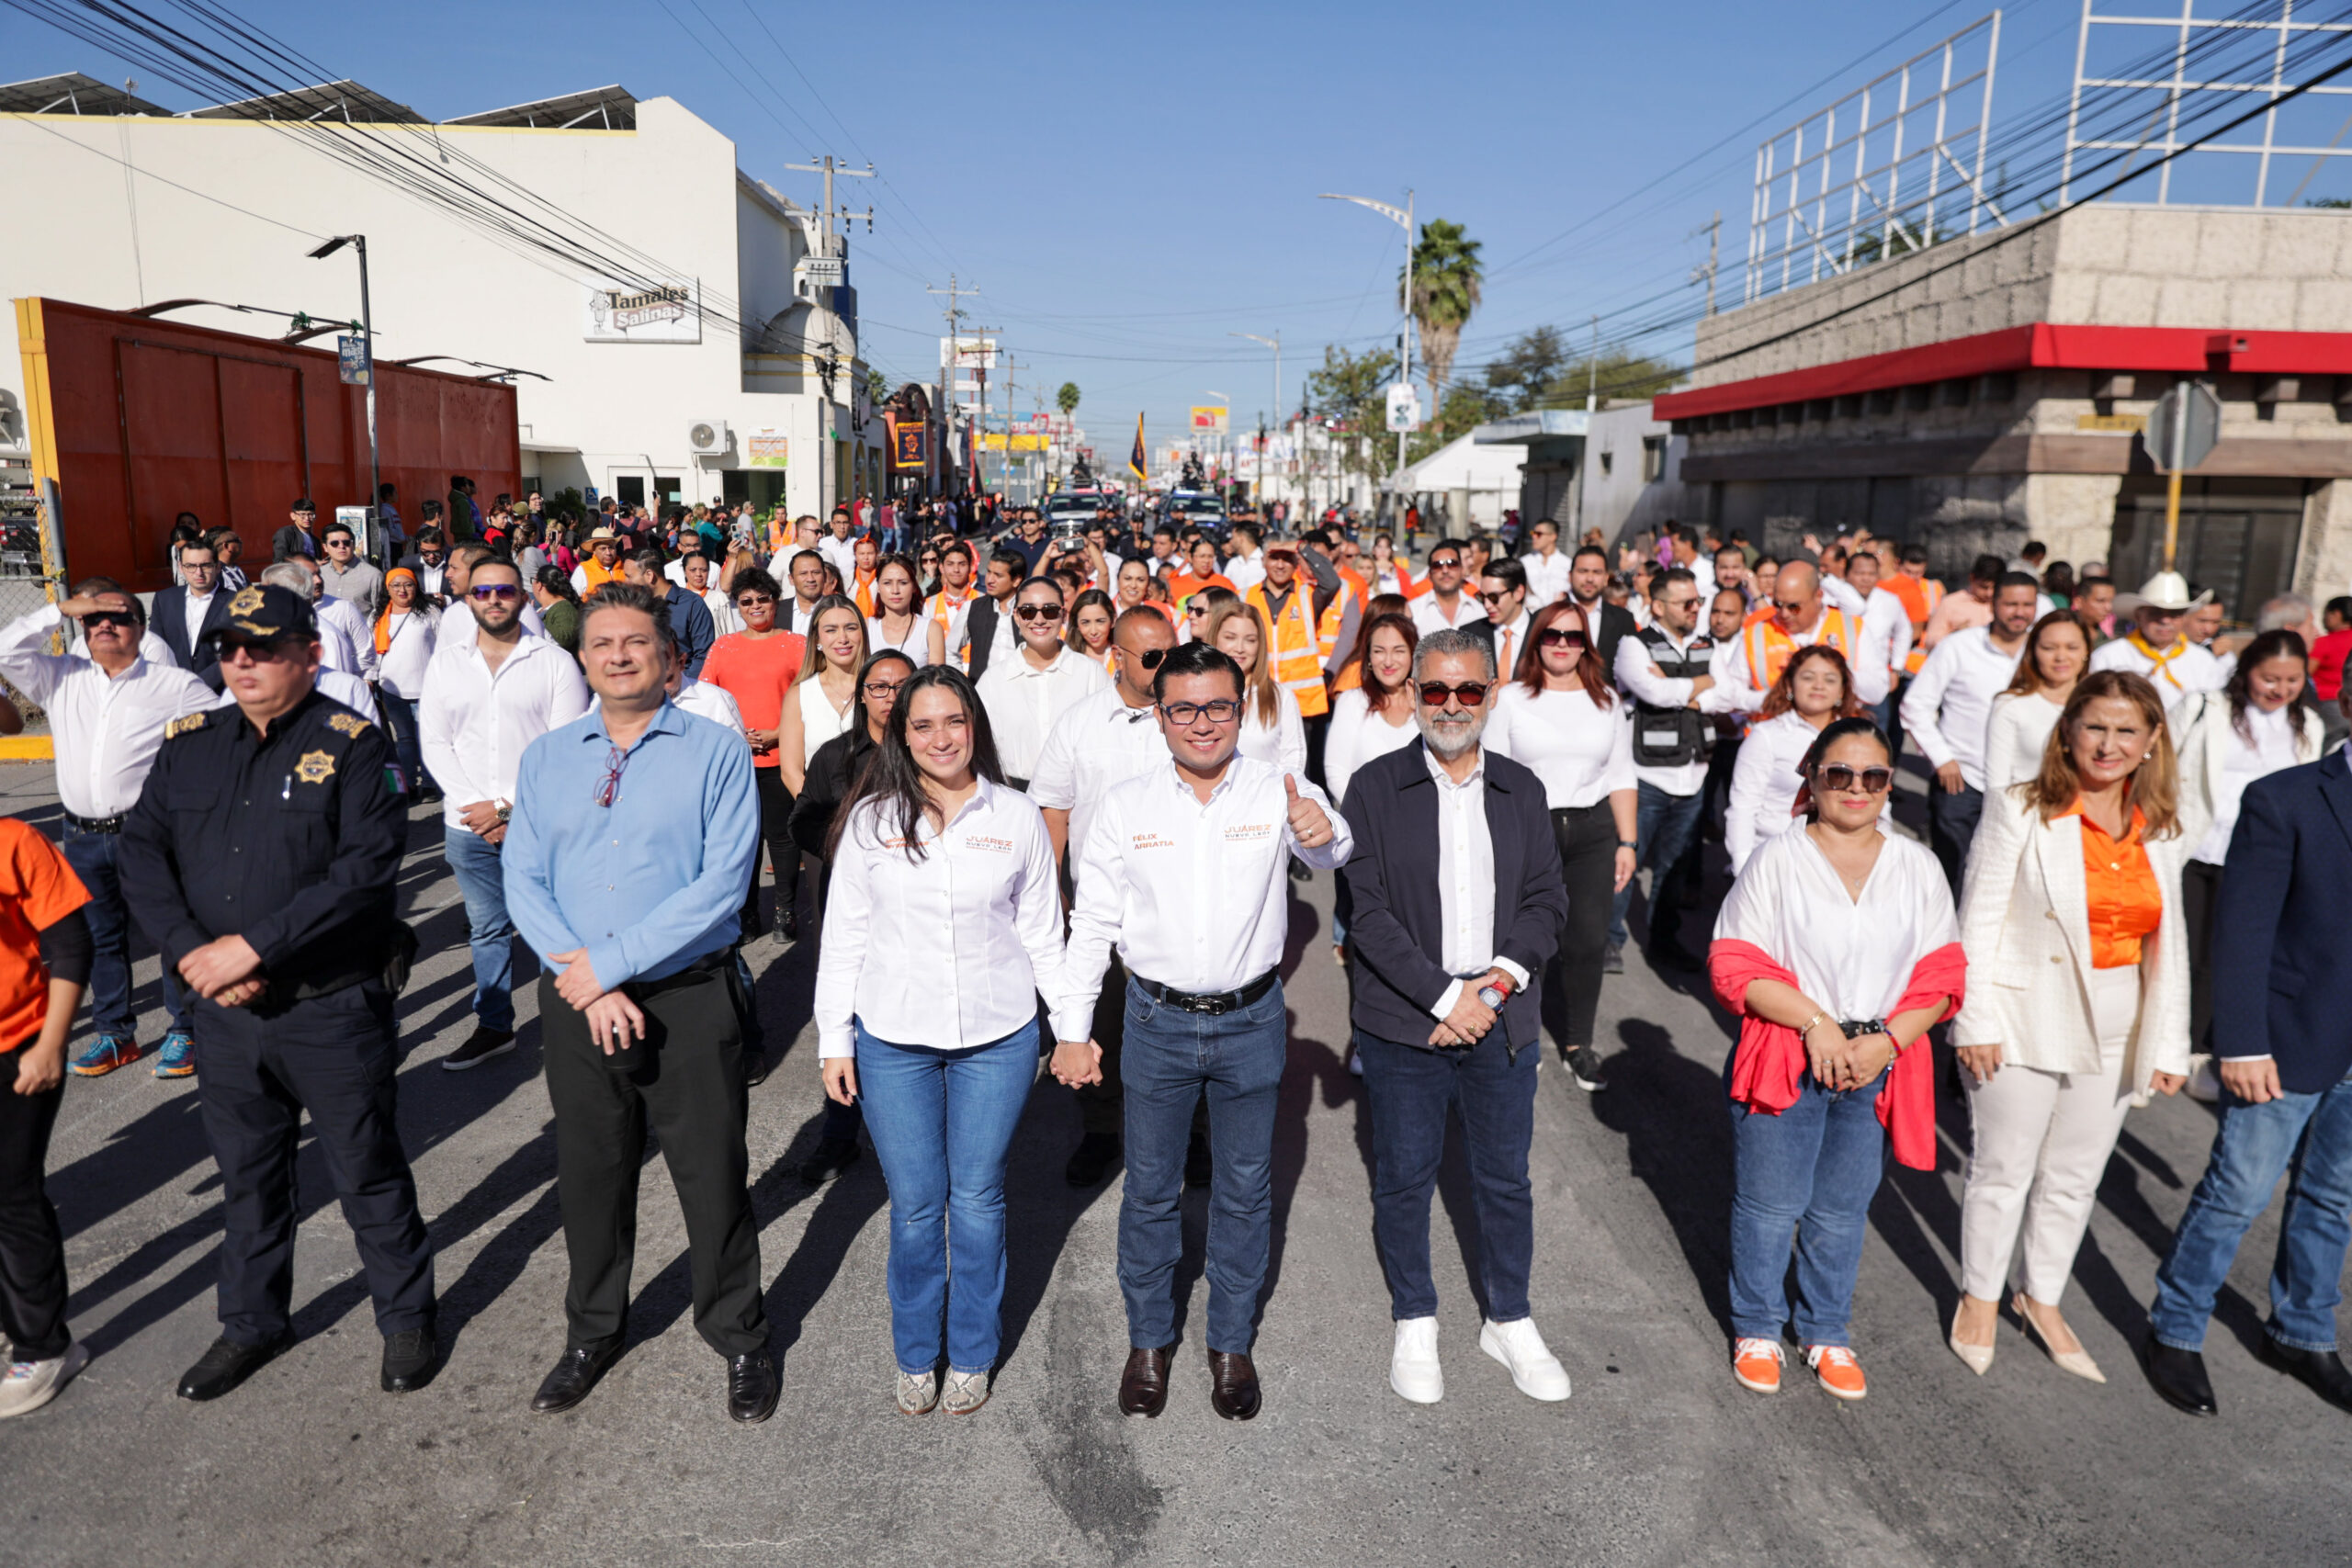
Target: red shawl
(1771,1062)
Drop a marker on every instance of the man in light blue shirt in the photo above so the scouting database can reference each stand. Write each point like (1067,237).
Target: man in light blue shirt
(626,857)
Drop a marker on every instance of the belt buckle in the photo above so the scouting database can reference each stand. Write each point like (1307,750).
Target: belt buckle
(1214,1006)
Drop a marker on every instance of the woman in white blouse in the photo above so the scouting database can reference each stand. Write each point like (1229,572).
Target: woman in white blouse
(2261,721)
(1816,687)
(405,631)
(2078,1002)
(1272,729)
(2057,651)
(941,1055)
(1375,715)
(818,706)
(1837,949)
(1560,717)
(898,623)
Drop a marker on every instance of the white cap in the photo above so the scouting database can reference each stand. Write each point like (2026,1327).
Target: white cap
(2166,591)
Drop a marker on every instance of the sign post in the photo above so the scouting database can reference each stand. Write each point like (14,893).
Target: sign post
(2182,430)
(1403,407)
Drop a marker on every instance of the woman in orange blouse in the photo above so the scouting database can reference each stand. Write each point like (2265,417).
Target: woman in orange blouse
(2077,998)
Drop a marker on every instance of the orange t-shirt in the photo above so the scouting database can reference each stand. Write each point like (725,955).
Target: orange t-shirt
(756,673)
(37,890)
(2119,885)
(1182,586)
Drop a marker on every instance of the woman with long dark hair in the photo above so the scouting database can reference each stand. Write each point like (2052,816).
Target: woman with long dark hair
(1561,716)
(2057,652)
(941,1055)
(1816,688)
(897,621)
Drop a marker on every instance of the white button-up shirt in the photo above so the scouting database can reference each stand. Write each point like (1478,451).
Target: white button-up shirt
(1100,742)
(346,640)
(985,899)
(2190,669)
(1194,894)
(1886,644)
(1547,577)
(1023,701)
(105,729)
(1465,882)
(475,726)
(1950,704)
(1428,617)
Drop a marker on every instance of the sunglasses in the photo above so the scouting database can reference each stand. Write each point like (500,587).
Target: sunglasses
(1485,598)
(490,590)
(1450,563)
(1149,657)
(1037,611)
(1470,693)
(1837,777)
(98,618)
(1221,710)
(1554,637)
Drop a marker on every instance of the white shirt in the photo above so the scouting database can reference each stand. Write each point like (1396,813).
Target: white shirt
(105,729)
(1950,701)
(1853,957)
(2193,668)
(987,900)
(1100,742)
(1428,617)
(1244,572)
(342,686)
(1024,703)
(724,621)
(1584,753)
(1357,735)
(399,669)
(2014,736)
(1547,576)
(474,726)
(1704,570)
(842,556)
(915,644)
(1465,882)
(1886,644)
(1282,743)
(1637,672)
(1005,644)
(1194,894)
(346,641)
(1510,641)
(819,720)
(1764,784)
(2273,748)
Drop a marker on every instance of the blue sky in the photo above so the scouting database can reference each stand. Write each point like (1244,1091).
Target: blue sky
(1129,184)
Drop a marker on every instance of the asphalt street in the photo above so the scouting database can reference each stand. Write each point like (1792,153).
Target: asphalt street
(1658,1458)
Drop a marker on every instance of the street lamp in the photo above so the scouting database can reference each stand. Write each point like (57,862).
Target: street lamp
(1404,219)
(1274,343)
(1225,400)
(368,337)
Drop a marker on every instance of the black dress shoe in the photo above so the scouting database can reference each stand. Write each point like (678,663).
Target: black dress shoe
(1233,1386)
(1096,1154)
(411,1357)
(752,1386)
(832,1156)
(575,1373)
(2179,1376)
(227,1364)
(1143,1387)
(787,923)
(756,1067)
(2322,1371)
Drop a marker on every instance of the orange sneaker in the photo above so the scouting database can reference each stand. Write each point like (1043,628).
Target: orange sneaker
(1757,1364)
(1840,1374)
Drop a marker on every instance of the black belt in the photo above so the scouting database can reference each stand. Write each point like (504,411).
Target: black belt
(1210,1002)
(96,824)
(709,965)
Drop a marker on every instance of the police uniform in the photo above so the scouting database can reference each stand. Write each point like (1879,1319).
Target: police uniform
(293,840)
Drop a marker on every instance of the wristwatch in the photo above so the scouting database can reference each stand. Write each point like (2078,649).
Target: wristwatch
(505,809)
(1629,844)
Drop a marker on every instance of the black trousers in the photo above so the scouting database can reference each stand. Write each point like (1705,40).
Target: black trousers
(332,1056)
(33,1249)
(1588,840)
(784,854)
(1100,1105)
(686,1078)
(2200,890)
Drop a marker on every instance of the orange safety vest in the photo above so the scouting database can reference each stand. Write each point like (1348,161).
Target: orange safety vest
(595,574)
(1770,647)
(1297,655)
(1920,595)
(1351,592)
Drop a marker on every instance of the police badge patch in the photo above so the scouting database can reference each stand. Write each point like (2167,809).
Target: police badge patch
(184,724)
(248,601)
(316,767)
(348,724)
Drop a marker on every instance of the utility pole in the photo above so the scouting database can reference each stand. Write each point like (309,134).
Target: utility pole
(1274,343)
(1405,332)
(368,334)
(1714,232)
(1592,371)
(955,315)
(828,245)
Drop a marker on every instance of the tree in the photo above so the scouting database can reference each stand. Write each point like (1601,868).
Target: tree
(1066,399)
(1350,391)
(1523,375)
(877,387)
(1446,275)
(1617,373)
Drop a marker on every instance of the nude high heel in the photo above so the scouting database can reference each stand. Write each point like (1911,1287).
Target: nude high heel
(2076,1362)
(1978,1358)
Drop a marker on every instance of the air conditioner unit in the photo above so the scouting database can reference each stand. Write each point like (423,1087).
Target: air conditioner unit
(709,437)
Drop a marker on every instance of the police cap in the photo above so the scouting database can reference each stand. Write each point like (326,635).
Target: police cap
(264,612)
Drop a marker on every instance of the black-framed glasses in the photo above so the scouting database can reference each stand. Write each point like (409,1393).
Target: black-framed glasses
(608,788)
(487,591)
(1149,657)
(1485,598)
(1037,611)
(1554,636)
(1217,710)
(882,691)
(1837,777)
(1470,694)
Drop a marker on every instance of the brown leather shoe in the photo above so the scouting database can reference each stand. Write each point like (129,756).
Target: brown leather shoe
(1143,1387)
(1233,1386)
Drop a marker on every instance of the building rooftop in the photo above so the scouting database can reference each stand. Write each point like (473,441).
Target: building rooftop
(73,93)
(602,108)
(347,101)
(612,108)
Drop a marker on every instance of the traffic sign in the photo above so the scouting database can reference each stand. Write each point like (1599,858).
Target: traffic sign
(1403,407)
(2184,427)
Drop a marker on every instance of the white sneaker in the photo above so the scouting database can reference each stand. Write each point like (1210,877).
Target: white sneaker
(1413,1370)
(1534,1371)
(29,1385)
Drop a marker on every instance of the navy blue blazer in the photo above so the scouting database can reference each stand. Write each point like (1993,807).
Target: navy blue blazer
(2282,977)
(169,620)
(1392,876)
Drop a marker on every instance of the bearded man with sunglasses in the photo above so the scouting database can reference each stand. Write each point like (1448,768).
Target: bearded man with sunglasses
(486,699)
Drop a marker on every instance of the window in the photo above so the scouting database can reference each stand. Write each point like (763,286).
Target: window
(1652,458)
(1605,464)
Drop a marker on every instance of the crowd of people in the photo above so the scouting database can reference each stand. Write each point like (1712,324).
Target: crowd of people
(1047,793)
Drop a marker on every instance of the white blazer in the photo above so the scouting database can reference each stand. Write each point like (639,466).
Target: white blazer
(2025,924)
(2202,736)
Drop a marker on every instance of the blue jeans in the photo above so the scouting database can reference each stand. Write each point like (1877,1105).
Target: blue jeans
(1809,1172)
(481,879)
(2307,1137)
(400,714)
(941,1123)
(1169,1059)
(1664,825)
(1412,1088)
(92,857)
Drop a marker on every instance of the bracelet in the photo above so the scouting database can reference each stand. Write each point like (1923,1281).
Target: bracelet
(1629,844)
(1806,1030)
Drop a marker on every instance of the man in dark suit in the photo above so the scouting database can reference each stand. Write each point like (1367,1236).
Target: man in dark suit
(1455,877)
(1588,585)
(2283,990)
(184,616)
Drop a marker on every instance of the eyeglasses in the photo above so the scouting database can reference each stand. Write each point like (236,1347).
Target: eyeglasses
(1837,777)
(1037,611)
(1554,636)
(1183,716)
(1451,563)
(487,590)
(98,618)
(1470,694)
(608,788)
(882,691)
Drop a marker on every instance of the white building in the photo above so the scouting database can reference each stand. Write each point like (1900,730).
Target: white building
(701,364)
(1466,484)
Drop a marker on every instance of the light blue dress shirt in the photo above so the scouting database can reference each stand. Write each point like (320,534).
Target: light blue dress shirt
(654,881)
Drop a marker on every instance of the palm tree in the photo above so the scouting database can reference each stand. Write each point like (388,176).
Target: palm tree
(1066,399)
(1445,290)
